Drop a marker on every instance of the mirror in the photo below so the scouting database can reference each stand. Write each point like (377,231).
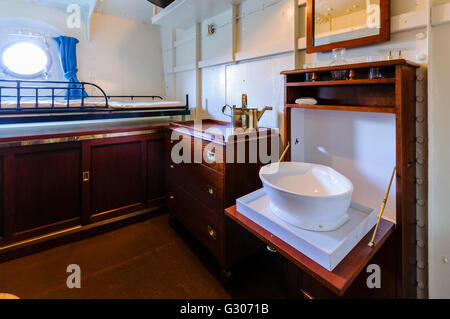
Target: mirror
(346,23)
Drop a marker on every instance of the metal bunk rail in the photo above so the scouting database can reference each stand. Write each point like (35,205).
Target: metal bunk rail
(40,112)
(20,85)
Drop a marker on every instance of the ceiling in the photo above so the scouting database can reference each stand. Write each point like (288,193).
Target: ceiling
(132,9)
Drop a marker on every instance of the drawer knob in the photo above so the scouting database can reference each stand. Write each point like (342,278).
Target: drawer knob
(171,142)
(270,249)
(171,166)
(211,190)
(171,196)
(212,233)
(211,156)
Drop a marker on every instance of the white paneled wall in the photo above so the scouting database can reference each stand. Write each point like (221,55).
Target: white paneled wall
(217,46)
(265,27)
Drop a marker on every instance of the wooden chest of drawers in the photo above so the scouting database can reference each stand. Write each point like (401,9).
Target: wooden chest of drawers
(203,178)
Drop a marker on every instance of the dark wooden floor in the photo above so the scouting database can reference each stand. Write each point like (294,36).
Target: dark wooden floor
(145,260)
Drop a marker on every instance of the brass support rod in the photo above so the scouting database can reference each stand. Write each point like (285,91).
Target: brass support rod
(383,206)
(284,153)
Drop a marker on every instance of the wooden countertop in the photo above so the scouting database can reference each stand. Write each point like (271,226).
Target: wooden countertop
(338,280)
(24,132)
(354,66)
(218,131)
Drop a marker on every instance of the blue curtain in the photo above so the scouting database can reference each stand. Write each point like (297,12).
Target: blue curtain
(67,48)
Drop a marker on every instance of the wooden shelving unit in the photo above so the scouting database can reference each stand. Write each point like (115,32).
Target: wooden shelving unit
(395,93)
(357,108)
(342,82)
(185,13)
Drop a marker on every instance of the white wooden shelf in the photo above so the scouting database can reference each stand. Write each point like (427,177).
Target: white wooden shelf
(185,13)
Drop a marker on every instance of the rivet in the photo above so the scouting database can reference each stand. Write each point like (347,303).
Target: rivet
(420,202)
(420,223)
(420,140)
(419,98)
(445,260)
(419,181)
(420,243)
(420,119)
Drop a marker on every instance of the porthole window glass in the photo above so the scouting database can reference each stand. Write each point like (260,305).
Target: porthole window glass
(24,59)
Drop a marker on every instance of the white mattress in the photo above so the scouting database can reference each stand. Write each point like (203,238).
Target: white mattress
(149,104)
(90,102)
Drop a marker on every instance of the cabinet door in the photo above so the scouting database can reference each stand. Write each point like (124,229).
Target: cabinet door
(42,189)
(115,170)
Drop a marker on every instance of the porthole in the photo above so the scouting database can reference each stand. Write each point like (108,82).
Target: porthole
(25,59)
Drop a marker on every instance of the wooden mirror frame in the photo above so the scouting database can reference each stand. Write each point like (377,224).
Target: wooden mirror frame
(385,31)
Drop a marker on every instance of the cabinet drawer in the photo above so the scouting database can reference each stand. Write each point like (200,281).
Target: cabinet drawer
(205,225)
(201,182)
(207,153)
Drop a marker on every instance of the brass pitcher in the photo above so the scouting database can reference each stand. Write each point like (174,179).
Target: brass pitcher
(245,117)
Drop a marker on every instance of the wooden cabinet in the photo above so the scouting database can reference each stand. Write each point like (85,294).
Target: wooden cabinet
(299,284)
(202,181)
(395,94)
(51,185)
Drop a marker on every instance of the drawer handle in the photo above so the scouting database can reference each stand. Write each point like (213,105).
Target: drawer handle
(306,294)
(211,156)
(212,233)
(86,176)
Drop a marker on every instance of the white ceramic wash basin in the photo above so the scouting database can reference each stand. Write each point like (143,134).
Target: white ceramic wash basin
(310,196)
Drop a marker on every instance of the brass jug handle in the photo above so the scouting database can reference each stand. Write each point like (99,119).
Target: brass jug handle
(224,108)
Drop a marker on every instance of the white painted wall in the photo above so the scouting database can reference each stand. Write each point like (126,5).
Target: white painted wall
(439,158)
(123,56)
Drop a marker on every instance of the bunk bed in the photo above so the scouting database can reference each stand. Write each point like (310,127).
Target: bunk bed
(50,101)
